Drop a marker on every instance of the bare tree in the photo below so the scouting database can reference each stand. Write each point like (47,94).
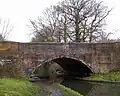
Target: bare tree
(46,28)
(5,29)
(104,37)
(87,18)
(72,21)
(52,27)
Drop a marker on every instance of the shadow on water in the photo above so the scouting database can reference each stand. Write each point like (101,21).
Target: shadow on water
(93,89)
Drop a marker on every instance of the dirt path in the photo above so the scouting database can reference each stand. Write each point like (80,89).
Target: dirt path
(47,89)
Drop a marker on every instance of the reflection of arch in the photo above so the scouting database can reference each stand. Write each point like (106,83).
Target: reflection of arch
(70,64)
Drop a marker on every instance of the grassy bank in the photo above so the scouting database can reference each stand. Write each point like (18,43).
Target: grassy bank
(111,76)
(22,87)
(68,92)
(17,87)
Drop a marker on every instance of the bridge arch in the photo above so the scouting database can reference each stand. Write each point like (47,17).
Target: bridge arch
(72,65)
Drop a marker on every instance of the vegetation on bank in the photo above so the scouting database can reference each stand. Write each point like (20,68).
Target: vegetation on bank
(111,76)
(67,91)
(22,87)
(17,87)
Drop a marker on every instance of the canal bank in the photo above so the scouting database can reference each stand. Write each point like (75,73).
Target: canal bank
(93,88)
(102,84)
(105,77)
(22,87)
(55,89)
(17,87)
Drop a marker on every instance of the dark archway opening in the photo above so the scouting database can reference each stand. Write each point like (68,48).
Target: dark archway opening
(73,67)
(70,69)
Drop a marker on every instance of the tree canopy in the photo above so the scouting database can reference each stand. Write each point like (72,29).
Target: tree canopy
(71,21)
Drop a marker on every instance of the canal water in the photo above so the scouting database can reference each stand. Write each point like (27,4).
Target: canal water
(84,87)
(92,88)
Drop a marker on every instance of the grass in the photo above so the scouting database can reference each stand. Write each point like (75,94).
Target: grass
(67,91)
(22,87)
(17,87)
(111,76)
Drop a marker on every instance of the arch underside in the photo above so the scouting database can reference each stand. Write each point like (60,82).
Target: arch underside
(73,67)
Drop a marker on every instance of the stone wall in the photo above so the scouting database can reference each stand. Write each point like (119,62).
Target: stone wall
(99,57)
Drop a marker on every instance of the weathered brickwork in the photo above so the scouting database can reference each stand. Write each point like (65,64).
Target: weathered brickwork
(99,57)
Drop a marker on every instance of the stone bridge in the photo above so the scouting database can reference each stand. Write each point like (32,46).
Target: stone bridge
(73,57)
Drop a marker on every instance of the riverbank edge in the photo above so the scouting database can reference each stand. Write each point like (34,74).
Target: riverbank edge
(22,87)
(110,77)
(99,81)
(68,91)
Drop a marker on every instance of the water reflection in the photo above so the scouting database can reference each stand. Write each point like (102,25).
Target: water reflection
(93,89)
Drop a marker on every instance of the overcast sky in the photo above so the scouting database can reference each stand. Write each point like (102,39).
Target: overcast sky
(20,11)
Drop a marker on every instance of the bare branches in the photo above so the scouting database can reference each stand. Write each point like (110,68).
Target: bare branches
(5,29)
(72,21)
(87,17)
